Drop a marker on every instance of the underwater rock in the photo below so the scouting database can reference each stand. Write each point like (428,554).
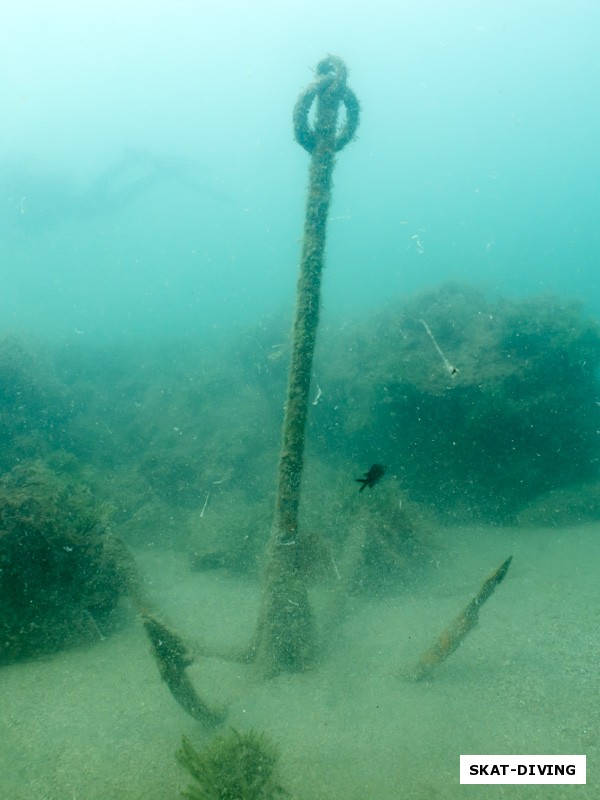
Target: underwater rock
(62,573)
(573,505)
(174,477)
(518,419)
(396,541)
(229,533)
(517,416)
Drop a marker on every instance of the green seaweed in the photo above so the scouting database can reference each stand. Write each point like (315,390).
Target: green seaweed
(238,766)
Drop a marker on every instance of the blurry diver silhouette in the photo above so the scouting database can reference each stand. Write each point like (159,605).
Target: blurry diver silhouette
(35,201)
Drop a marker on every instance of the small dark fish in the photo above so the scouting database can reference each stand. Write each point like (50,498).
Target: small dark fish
(374,475)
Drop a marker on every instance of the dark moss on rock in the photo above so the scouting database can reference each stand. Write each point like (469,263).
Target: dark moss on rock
(62,573)
(518,418)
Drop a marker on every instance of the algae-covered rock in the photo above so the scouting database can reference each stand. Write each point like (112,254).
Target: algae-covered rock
(165,427)
(230,533)
(397,540)
(62,573)
(478,405)
(573,505)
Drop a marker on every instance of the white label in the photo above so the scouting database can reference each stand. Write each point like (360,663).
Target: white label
(522,769)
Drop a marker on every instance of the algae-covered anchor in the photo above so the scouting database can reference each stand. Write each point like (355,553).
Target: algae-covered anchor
(285,637)
(449,639)
(172,658)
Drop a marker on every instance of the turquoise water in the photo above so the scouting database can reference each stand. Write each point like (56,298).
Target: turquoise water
(151,210)
(476,156)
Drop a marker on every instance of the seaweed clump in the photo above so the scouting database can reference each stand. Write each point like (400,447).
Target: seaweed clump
(62,573)
(239,766)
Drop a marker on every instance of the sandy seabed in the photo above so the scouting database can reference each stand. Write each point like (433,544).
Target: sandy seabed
(97,723)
